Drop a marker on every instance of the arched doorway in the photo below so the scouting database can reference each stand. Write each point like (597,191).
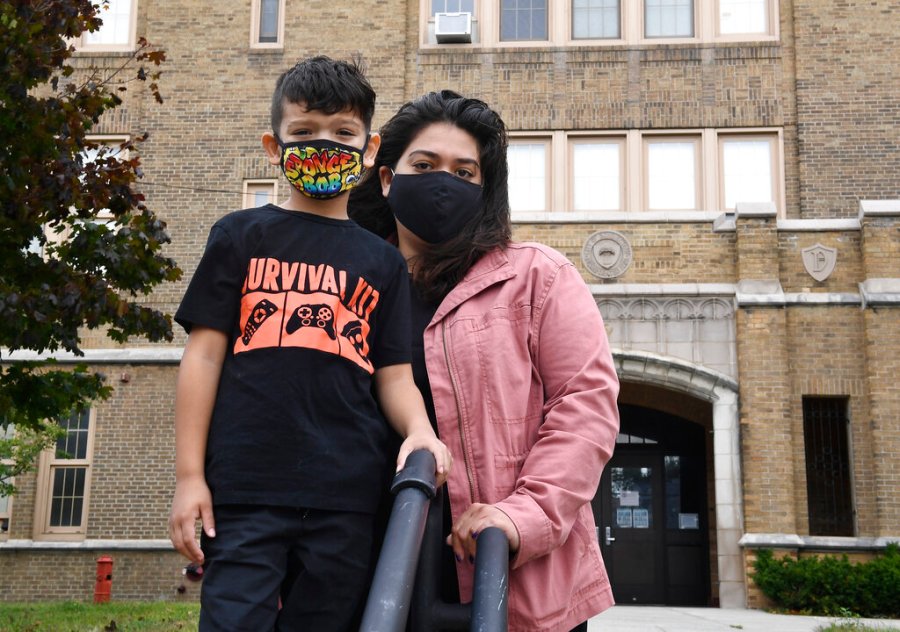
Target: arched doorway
(706,398)
(652,510)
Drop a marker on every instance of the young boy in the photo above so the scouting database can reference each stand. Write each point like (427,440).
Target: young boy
(293,314)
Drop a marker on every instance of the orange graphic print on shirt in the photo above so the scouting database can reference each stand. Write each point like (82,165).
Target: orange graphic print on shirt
(294,304)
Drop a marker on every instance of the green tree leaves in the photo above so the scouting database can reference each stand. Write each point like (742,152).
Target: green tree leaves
(78,246)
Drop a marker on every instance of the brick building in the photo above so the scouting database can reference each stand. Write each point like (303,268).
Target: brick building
(725,174)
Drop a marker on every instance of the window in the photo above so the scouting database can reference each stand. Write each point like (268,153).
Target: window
(89,155)
(260,193)
(748,169)
(668,18)
(828,486)
(64,481)
(452,6)
(267,24)
(523,20)
(672,173)
(117,31)
(743,16)
(592,173)
(596,19)
(596,168)
(541,23)
(6,433)
(528,187)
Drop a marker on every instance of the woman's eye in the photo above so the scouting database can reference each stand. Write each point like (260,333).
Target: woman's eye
(464,173)
(421,166)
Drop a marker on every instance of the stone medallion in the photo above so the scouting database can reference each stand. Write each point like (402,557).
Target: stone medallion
(819,261)
(606,254)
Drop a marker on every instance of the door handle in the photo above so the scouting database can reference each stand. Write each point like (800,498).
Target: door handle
(609,539)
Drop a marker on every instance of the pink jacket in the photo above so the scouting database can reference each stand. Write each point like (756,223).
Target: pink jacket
(525,395)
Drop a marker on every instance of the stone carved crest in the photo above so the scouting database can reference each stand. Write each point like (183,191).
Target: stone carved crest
(819,261)
(606,254)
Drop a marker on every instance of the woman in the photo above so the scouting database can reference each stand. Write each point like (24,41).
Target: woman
(510,353)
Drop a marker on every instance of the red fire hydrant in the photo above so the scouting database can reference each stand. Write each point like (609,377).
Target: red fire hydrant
(103,587)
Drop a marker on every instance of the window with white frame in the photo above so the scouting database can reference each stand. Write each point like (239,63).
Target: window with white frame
(260,192)
(639,171)
(523,20)
(668,18)
(112,145)
(528,174)
(596,19)
(452,6)
(597,174)
(541,23)
(6,433)
(743,17)
(267,24)
(117,33)
(747,168)
(672,168)
(64,477)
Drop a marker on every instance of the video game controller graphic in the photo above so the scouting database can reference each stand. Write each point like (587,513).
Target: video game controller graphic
(318,315)
(258,315)
(352,331)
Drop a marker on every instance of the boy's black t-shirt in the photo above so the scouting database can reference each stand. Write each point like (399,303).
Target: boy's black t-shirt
(312,306)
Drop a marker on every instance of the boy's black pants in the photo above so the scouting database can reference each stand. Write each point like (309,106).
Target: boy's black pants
(317,562)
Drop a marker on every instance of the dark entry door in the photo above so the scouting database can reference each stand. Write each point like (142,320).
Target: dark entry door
(631,538)
(651,511)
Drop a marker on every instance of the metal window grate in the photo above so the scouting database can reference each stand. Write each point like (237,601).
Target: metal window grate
(829,497)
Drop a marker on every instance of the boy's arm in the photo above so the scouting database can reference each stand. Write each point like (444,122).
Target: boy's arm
(195,396)
(404,409)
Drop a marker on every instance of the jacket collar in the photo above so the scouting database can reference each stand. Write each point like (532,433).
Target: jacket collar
(494,267)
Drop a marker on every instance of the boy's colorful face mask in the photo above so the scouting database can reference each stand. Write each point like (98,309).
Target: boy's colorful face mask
(321,169)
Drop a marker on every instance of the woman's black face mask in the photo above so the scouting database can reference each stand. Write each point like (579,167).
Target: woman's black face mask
(434,206)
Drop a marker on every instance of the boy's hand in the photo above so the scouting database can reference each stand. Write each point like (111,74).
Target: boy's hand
(426,439)
(192,502)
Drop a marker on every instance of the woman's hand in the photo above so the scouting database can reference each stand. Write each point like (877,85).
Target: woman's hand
(426,439)
(478,517)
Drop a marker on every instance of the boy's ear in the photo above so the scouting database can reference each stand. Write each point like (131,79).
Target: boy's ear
(272,149)
(371,150)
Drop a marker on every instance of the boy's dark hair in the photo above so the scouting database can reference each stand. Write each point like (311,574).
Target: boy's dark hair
(442,266)
(327,85)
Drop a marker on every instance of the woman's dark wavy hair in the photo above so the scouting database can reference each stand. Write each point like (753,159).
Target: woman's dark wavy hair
(440,269)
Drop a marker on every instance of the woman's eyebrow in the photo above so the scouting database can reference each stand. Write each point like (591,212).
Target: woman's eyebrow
(434,155)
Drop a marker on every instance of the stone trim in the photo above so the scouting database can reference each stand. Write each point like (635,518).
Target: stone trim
(614,217)
(87,545)
(134,355)
(815,542)
(875,208)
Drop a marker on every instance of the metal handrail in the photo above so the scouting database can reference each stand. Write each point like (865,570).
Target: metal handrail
(407,575)
(387,606)
(489,607)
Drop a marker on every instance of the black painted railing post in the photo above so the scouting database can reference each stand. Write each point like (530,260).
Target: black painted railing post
(387,606)
(491,590)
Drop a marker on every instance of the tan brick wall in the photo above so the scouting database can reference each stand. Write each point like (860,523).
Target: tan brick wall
(846,99)
(824,349)
(662,253)
(71,576)
(767,438)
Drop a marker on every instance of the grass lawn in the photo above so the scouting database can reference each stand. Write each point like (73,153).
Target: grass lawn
(853,626)
(108,617)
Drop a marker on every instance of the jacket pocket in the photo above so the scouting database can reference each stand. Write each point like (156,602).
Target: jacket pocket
(509,379)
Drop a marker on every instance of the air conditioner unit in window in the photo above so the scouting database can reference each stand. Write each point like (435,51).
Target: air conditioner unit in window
(453,28)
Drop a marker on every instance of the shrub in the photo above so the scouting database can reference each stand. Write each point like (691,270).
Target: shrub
(832,585)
